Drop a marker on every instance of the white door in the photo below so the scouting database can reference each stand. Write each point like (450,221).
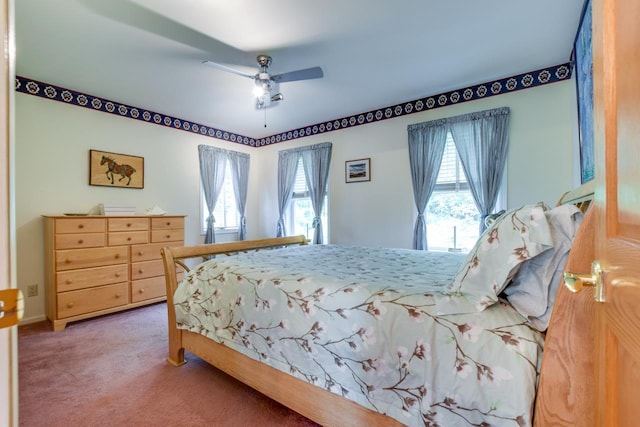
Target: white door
(8,336)
(616,43)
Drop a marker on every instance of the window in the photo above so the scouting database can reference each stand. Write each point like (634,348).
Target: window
(225,212)
(300,215)
(451,214)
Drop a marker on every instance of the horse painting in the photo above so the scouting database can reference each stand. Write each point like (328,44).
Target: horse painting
(125,171)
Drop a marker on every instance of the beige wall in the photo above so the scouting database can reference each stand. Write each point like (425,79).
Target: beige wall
(52,165)
(540,167)
(53,141)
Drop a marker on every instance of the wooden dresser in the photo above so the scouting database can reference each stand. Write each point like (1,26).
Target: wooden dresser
(96,265)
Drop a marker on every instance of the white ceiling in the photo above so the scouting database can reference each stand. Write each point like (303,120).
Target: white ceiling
(374,53)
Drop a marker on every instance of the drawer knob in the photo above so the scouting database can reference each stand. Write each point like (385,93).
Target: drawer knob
(168,223)
(141,291)
(80,241)
(128,239)
(80,225)
(140,253)
(117,256)
(117,274)
(129,225)
(69,305)
(140,271)
(69,281)
(168,236)
(118,295)
(68,261)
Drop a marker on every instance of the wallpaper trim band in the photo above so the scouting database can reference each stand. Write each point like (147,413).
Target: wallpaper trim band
(484,90)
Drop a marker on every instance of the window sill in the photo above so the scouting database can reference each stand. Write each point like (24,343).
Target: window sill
(220,231)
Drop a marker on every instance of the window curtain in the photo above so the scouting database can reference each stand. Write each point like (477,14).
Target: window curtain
(287,165)
(426,146)
(239,165)
(482,141)
(212,165)
(316,160)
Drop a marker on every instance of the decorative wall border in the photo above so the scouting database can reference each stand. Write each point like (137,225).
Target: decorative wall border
(484,90)
(68,96)
(499,87)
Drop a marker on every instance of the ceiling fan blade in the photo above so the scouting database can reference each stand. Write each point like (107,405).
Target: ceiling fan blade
(228,69)
(134,15)
(306,74)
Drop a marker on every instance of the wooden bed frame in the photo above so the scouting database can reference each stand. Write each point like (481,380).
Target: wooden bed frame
(556,403)
(313,402)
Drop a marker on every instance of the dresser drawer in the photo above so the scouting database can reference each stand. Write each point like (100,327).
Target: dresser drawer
(150,251)
(88,277)
(167,235)
(145,269)
(89,300)
(77,241)
(143,289)
(128,224)
(83,258)
(128,238)
(166,223)
(80,225)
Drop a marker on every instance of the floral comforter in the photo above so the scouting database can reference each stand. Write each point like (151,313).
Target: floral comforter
(361,323)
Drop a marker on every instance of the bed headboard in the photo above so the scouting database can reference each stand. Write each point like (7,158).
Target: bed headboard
(581,196)
(566,378)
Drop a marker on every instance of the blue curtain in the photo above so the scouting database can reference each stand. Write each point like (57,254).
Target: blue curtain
(482,141)
(316,160)
(426,146)
(212,165)
(239,163)
(287,165)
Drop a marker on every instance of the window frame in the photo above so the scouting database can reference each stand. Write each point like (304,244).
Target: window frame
(204,210)
(305,195)
(451,187)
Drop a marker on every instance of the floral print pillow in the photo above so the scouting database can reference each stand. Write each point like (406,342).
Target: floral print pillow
(515,237)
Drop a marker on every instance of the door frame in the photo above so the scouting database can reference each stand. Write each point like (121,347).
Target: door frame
(8,336)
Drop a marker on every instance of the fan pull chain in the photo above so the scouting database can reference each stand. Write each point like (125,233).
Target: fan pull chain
(265,117)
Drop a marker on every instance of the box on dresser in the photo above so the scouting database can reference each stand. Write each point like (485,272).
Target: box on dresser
(95,265)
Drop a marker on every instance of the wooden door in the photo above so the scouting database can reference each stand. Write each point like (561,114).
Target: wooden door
(616,43)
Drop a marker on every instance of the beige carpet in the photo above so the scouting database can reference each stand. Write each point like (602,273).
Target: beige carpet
(112,371)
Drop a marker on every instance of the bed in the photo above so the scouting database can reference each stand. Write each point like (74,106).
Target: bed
(351,336)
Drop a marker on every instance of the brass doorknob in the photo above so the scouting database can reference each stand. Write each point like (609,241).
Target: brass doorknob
(575,282)
(11,307)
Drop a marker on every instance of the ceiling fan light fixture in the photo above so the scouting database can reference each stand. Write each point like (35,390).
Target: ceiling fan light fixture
(266,83)
(258,91)
(263,101)
(262,86)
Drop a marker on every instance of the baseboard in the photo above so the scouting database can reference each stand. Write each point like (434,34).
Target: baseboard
(34,319)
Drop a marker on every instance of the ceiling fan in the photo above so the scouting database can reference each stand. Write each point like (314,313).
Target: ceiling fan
(265,83)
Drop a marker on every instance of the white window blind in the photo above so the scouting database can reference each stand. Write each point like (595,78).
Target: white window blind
(451,176)
(300,186)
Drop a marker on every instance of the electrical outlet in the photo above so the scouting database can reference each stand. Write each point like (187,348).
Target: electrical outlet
(32,290)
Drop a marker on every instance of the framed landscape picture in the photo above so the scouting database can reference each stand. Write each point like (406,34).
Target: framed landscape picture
(115,170)
(582,58)
(357,170)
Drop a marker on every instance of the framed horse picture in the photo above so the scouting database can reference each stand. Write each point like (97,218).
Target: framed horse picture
(115,170)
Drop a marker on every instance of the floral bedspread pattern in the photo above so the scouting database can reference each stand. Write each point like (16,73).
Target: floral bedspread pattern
(361,322)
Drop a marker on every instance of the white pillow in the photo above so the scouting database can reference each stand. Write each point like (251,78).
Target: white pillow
(534,287)
(515,237)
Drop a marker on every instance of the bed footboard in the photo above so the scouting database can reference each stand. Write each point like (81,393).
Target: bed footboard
(313,402)
(174,263)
